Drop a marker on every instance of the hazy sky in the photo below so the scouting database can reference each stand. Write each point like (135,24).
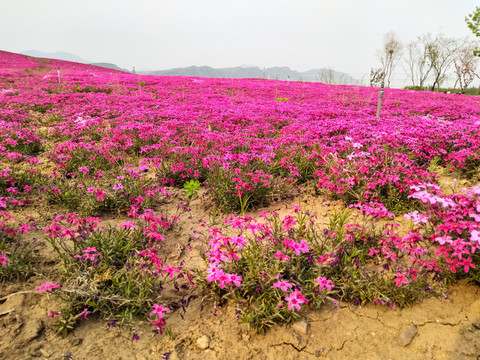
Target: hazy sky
(161,34)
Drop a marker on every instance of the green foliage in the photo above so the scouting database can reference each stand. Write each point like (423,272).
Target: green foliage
(473,21)
(191,188)
(21,253)
(243,189)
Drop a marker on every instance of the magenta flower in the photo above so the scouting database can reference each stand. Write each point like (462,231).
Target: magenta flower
(4,259)
(52,314)
(47,286)
(128,225)
(117,187)
(284,285)
(400,279)
(159,310)
(295,299)
(83,315)
(323,282)
(170,270)
(235,279)
(279,255)
(475,236)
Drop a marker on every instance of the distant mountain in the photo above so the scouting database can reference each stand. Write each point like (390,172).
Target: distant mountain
(62,55)
(59,55)
(109,66)
(281,73)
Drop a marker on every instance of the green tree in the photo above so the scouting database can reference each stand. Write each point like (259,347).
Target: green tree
(473,22)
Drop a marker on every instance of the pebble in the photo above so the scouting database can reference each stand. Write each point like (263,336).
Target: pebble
(301,327)
(407,335)
(32,330)
(77,341)
(203,342)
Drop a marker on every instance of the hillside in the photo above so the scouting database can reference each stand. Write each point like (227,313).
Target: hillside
(280,73)
(9,60)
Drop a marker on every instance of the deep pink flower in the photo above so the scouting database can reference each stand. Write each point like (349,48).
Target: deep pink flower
(400,279)
(159,310)
(284,285)
(83,315)
(295,299)
(4,259)
(323,282)
(47,286)
(128,225)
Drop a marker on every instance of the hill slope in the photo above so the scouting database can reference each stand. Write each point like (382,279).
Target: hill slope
(280,73)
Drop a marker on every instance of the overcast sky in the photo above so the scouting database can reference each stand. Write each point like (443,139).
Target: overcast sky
(161,34)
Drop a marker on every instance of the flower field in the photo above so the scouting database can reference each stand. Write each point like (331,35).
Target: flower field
(127,198)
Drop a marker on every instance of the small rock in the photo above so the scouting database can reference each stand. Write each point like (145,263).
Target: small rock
(319,352)
(45,353)
(301,326)
(32,330)
(77,341)
(407,335)
(203,342)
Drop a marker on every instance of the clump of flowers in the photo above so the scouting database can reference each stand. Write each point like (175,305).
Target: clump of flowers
(114,272)
(272,269)
(452,224)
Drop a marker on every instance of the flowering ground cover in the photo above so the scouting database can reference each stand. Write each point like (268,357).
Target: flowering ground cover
(110,183)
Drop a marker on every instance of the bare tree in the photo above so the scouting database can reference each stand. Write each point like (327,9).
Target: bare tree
(417,60)
(441,53)
(465,64)
(377,76)
(327,76)
(390,55)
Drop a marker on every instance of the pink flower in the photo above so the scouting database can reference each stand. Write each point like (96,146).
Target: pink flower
(170,270)
(400,279)
(284,285)
(52,314)
(83,315)
(117,187)
(238,240)
(299,247)
(128,225)
(279,255)
(475,236)
(159,324)
(323,282)
(84,169)
(295,299)
(467,263)
(159,310)
(236,279)
(47,286)
(4,259)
